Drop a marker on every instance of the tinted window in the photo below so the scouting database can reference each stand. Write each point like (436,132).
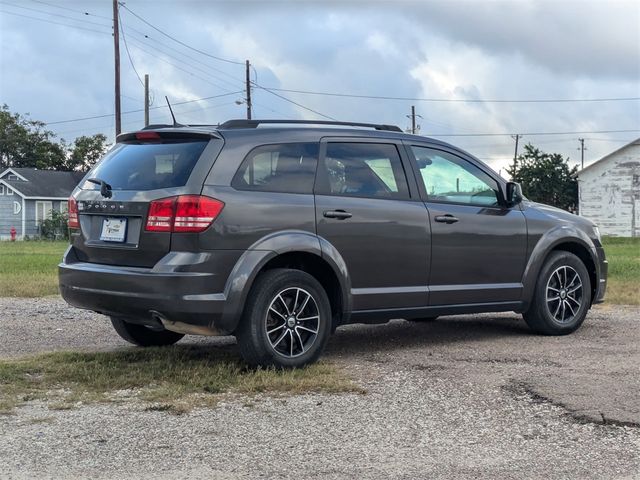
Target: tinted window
(364,170)
(286,168)
(448,178)
(147,166)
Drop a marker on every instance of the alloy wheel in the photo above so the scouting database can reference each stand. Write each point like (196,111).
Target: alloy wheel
(564,294)
(292,322)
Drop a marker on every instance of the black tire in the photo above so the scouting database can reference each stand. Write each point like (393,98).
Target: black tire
(565,308)
(423,319)
(289,330)
(144,336)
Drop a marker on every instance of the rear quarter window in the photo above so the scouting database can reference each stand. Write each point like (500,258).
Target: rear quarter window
(284,168)
(148,166)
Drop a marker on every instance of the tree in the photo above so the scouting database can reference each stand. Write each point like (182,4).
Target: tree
(546,178)
(26,143)
(86,151)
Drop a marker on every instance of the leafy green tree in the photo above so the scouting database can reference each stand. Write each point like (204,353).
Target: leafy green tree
(546,178)
(27,143)
(86,151)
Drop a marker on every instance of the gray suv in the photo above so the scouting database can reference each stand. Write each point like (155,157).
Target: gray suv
(278,232)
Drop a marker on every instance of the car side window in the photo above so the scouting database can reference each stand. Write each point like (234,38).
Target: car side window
(284,168)
(451,179)
(363,170)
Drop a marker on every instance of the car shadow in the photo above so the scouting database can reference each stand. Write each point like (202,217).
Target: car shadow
(399,334)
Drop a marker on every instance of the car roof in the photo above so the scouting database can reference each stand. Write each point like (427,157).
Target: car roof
(286,132)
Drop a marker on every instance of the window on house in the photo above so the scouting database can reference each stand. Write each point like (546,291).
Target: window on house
(9,191)
(12,177)
(43,211)
(1,189)
(64,206)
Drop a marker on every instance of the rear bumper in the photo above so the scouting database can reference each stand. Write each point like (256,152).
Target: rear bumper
(140,293)
(601,288)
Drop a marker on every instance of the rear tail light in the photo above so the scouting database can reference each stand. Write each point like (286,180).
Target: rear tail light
(161,213)
(72,212)
(185,213)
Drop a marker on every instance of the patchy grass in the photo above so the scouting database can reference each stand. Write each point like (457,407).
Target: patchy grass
(172,379)
(623,285)
(29,269)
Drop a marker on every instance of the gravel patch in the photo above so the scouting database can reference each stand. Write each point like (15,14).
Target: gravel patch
(474,396)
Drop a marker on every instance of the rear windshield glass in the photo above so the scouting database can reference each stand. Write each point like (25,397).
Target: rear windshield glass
(147,166)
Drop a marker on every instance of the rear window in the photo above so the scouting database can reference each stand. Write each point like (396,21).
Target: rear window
(148,166)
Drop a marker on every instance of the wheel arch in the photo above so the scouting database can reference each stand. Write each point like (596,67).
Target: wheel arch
(562,238)
(288,249)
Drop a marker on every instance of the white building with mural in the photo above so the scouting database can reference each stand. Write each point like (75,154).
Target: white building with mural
(609,192)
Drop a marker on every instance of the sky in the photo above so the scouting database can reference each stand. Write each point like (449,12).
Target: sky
(451,57)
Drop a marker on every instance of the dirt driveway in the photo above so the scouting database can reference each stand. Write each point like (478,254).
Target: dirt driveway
(473,396)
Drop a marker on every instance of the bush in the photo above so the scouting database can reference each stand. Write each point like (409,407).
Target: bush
(56,227)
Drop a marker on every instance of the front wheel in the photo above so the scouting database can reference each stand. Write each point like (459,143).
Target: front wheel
(144,336)
(286,322)
(562,296)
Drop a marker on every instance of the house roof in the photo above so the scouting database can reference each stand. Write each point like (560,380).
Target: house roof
(609,155)
(42,183)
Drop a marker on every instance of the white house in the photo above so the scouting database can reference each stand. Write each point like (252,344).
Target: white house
(609,192)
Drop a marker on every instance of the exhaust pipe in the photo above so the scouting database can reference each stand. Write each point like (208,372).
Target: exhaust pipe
(185,328)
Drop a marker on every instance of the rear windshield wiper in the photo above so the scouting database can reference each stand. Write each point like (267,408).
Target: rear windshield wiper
(105,188)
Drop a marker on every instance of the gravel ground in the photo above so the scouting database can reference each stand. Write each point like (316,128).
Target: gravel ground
(474,396)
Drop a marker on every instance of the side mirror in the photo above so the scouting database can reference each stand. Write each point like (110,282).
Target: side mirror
(513,194)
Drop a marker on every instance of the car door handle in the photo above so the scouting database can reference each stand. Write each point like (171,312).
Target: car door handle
(448,218)
(339,214)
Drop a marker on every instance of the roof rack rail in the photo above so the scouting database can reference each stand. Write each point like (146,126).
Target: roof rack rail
(254,124)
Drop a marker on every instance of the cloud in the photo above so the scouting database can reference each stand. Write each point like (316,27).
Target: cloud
(453,49)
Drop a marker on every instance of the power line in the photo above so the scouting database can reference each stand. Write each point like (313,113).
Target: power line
(54,14)
(71,9)
(141,109)
(54,22)
(176,66)
(529,134)
(454,100)
(140,42)
(293,102)
(126,47)
(176,40)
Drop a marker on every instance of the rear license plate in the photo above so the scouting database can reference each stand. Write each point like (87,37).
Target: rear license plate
(114,230)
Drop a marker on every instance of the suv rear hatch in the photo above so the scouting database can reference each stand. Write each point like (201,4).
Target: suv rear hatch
(122,212)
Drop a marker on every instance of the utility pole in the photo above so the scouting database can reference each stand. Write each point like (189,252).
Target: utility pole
(582,149)
(414,128)
(515,153)
(248,87)
(146,99)
(116,49)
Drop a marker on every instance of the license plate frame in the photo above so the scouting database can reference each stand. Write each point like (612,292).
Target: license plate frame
(114,229)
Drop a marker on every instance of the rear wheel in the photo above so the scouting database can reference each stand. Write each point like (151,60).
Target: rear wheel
(562,296)
(286,322)
(144,336)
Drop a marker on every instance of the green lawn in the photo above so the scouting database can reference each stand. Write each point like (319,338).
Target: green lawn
(623,255)
(28,269)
